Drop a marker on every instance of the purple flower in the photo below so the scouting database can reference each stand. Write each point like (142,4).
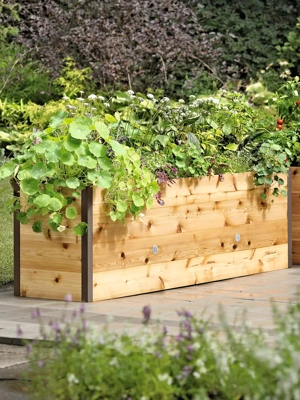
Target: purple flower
(36,314)
(158,355)
(146,313)
(19,331)
(74,313)
(165,330)
(40,363)
(82,308)
(190,348)
(68,298)
(29,349)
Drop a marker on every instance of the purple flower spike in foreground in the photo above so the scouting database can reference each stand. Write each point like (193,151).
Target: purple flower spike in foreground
(146,313)
(68,298)
(82,308)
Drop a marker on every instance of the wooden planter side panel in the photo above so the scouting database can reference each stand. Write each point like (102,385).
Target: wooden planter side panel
(208,230)
(50,262)
(295,214)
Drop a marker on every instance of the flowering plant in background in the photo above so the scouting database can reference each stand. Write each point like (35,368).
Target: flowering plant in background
(130,144)
(75,360)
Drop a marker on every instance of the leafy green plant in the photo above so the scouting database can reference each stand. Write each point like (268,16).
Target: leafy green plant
(74,360)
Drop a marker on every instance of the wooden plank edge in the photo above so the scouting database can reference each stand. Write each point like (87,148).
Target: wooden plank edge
(17,239)
(87,246)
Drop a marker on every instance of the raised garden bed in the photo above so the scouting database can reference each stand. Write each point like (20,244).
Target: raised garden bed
(207,230)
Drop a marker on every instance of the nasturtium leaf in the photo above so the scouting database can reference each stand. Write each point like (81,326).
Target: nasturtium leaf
(71,212)
(118,148)
(71,144)
(113,216)
(37,227)
(87,161)
(138,201)
(97,149)
(122,185)
(42,200)
(80,128)
(283,192)
(52,157)
(73,183)
(29,186)
(104,163)
(24,173)
(55,204)
(102,129)
(66,157)
(53,225)
(104,179)
(122,206)
(7,170)
(268,181)
(263,196)
(30,212)
(57,118)
(80,229)
(22,217)
(281,181)
(149,203)
(180,163)
(60,197)
(38,170)
(57,218)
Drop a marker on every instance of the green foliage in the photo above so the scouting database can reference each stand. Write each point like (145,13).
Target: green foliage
(73,81)
(78,361)
(6,233)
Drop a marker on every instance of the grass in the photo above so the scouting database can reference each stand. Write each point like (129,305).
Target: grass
(6,233)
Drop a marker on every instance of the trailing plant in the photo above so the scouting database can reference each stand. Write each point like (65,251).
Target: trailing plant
(129,144)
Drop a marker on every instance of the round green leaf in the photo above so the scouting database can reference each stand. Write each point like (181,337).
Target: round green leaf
(73,183)
(38,170)
(97,149)
(71,144)
(57,118)
(104,180)
(80,229)
(22,217)
(53,225)
(138,201)
(105,163)
(57,218)
(55,204)
(42,200)
(149,203)
(118,148)
(7,170)
(80,128)
(71,212)
(66,157)
(37,227)
(122,206)
(102,129)
(87,161)
(29,186)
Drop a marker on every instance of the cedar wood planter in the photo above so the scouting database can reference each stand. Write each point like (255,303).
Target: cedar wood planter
(294,214)
(207,230)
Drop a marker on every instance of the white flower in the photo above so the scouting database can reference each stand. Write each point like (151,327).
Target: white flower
(86,104)
(165,100)
(196,375)
(165,377)
(92,97)
(181,101)
(80,99)
(192,97)
(66,98)
(61,228)
(106,105)
(101,98)
(281,63)
(150,96)
(130,92)
(71,378)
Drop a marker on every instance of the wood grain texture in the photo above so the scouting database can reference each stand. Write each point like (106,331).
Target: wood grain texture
(50,262)
(295,214)
(196,227)
(192,271)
